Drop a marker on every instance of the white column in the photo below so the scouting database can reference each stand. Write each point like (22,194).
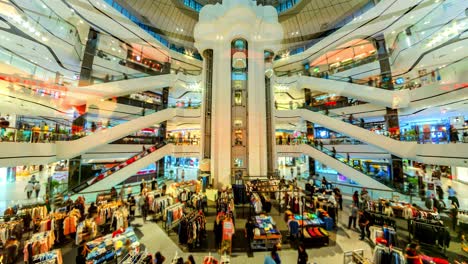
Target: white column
(257,135)
(221,116)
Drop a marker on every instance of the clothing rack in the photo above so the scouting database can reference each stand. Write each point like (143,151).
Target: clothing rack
(349,255)
(387,255)
(170,220)
(11,228)
(442,235)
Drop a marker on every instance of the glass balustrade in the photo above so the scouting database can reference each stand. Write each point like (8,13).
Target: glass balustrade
(430,31)
(426,33)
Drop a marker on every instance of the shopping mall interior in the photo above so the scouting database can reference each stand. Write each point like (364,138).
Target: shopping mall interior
(233,131)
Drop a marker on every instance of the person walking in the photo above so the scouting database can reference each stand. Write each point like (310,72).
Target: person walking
(353,216)
(29,189)
(154,184)
(132,205)
(356,198)
(453,215)
(143,207)
(249,233)
(363,225)
(190,259)
(321,145)
(159,258)
(122,192)
(453,134)
(37,189)
(452,196)
(333,152)
(302,257)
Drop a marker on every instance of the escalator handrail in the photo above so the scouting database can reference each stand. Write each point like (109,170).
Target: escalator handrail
(104,174)
(337,156)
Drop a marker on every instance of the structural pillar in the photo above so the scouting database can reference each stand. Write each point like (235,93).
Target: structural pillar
(88,58)
(391,116)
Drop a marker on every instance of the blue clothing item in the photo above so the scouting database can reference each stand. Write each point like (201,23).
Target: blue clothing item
(269,260)
(276,258)
(451,192)
(294,227)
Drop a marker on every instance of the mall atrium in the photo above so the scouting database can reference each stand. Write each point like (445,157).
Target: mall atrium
(233,131)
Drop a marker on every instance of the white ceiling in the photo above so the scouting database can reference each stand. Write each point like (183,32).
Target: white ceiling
(300,23)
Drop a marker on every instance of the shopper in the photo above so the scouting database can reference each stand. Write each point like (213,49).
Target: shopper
(129,190)
(452,196)
(362,122)
(321,145)
(191,260)
(113,193)
(122,192)
(37,189)
(356,198)
(333,152)
(159,258)
(29,189)
(412,254)
(453,215)
(453,134)
(182,175)
(302,257)
(142,185)
(143,207)
(339,198)
(154,184)
(353,216)
(249,232)
(92,210)
(132,205)
(363,225)
(275,255)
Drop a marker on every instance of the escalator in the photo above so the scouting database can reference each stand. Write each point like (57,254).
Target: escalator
(440,154)
(338,163)
(131,85)
(117,174)
(66,150)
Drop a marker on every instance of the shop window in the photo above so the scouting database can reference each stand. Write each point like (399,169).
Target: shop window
(238,98)
(238,162)
(238,123)
(238,138)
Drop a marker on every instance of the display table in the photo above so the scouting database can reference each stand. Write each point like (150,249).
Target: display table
(266,235)
(108,247)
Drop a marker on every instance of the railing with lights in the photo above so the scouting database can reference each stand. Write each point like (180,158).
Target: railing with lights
(150,31)
(424,34)
(36,18)
(299,49)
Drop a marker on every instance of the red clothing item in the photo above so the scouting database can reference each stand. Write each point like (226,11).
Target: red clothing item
(117,232)
(228,229)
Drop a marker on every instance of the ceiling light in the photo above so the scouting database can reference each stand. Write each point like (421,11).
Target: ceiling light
(81,21)
(44,39)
